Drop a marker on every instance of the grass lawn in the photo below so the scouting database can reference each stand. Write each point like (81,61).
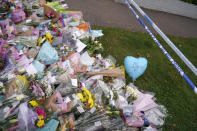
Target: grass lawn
(160,77)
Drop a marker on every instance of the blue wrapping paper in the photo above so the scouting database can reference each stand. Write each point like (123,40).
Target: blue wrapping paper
(74,23)
(96,33)
(47,54)
(20,46)
(39,67)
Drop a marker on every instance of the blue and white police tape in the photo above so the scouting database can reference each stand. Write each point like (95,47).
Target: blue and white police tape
(164,51)
(168,41)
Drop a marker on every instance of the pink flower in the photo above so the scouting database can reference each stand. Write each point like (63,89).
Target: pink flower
(40,112)
(60,33)
(55,29)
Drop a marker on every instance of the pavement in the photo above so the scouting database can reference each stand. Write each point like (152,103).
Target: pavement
(110,14)
(177,7)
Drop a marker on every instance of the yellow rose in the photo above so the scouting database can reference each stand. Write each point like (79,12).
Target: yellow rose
(40,123)
(40,117)
(33,103)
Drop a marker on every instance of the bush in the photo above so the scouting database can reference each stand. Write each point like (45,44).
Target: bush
(191,1)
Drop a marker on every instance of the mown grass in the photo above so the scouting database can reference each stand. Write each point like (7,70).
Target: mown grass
(161,77)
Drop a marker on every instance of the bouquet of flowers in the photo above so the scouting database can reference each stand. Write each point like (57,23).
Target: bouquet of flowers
(93,46)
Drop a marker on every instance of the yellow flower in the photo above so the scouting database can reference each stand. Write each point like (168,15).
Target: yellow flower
(90,102)
(53,26)
(49,37)
(86,96)
(40,123)
(40,117)
(33,103)
(112,67)
(80,95)
(125,86)
(22,80)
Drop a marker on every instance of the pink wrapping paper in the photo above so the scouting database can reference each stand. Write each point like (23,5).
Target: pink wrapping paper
(23,61)
(144,102)
(14,54)
(75,62)
(135,120)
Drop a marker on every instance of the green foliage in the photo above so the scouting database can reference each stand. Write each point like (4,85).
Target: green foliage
(160,77)
(191,1)
(93,46)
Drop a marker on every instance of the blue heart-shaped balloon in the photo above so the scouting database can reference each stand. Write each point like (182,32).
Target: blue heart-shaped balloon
(135,67)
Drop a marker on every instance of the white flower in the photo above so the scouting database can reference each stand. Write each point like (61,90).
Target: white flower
(131,91)
(1,84)
(20,97)
(100,45)
(49,90)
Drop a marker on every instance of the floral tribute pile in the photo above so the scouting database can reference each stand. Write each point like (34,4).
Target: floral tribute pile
(53,75)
